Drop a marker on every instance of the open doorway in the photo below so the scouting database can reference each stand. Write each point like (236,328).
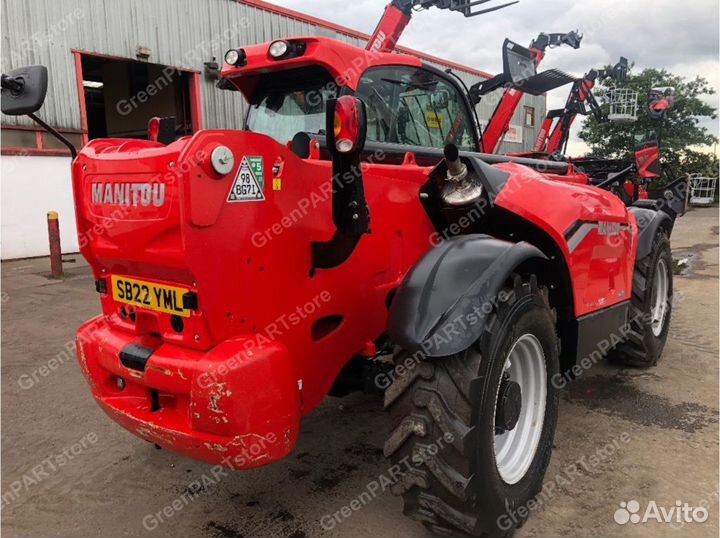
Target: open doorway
(122,95)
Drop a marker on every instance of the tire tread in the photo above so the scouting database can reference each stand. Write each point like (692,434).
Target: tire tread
(442,493)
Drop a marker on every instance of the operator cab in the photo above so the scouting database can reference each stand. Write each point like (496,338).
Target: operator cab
(410,106)
(407,108)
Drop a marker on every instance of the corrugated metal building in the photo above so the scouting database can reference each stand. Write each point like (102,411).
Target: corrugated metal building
(84,40)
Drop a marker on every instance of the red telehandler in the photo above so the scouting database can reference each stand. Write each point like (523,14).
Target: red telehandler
(554,134)
(515,83)
(627,180)
(555,131)
(246,274)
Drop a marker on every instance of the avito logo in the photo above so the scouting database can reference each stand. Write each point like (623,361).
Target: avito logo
(630,512)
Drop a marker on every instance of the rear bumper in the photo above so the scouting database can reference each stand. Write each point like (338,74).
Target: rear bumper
(225,406)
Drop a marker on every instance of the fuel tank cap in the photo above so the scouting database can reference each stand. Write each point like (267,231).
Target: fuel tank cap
(222,160)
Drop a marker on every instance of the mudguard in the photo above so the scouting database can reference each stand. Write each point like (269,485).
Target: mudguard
(649,222)
(672,200)
(676,195)
(441,305)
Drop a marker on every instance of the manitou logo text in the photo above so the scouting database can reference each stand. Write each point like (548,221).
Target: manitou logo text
(609,228)
(129,194)
(379,40)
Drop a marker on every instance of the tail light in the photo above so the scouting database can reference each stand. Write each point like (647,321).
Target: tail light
(153,129)
(348,124)
(162,130)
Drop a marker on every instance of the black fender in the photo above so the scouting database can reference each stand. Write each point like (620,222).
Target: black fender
(441,305)
(649,222)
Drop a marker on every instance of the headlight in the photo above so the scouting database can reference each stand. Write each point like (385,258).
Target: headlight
(232,56)
(235,57)
(278,49)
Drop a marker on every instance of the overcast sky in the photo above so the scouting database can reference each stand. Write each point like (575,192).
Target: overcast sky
(680,35)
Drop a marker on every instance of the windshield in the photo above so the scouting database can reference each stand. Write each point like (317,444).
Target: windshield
(291,102)
(414,107)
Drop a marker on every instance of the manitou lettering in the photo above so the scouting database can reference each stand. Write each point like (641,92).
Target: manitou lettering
(378,43)
(129,194)
(609,228)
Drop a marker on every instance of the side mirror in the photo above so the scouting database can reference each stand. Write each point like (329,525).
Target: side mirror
(24,90)
(346,125)
(518,63)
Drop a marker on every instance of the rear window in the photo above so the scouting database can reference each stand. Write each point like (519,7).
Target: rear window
(290,102)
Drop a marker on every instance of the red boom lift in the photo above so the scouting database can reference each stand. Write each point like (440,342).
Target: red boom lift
(516,81)
(628,180)
(398,13)
(244,275)
(555,131)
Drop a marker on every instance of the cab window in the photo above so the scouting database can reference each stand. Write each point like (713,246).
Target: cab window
(415,107)
(289,102)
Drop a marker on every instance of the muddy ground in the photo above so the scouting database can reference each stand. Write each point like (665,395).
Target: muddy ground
(623,434)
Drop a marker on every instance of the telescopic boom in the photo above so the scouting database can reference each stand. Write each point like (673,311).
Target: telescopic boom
(398,13)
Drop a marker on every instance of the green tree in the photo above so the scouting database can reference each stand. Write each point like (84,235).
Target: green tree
(698,162)
(680,134)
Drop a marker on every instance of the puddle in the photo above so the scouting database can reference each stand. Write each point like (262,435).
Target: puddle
(689,262)
(682,264)
(220,530)
(618,396)
(278,524)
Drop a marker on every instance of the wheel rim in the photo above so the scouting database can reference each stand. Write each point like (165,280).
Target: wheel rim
(660,291)
(515,449)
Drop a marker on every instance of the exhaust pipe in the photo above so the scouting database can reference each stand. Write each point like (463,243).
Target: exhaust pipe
(461,187)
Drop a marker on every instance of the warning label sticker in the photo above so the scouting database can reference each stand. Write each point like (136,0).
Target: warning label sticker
(249,183)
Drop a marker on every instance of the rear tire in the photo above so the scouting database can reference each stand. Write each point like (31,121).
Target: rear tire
(455,476)
(651,308)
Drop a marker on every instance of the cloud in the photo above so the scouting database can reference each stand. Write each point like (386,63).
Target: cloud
(681,36)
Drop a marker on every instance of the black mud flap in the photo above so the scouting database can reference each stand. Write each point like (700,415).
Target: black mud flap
(663,210)
(649,220)
(676,196)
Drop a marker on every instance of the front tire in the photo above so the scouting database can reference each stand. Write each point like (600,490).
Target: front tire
(651,308)
(473,432)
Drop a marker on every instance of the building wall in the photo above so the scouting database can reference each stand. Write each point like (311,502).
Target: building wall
(180,33)
(32,186)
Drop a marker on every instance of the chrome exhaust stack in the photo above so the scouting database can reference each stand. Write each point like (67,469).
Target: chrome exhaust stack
(461,186)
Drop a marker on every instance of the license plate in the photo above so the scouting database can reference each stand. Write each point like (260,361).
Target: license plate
(158,297)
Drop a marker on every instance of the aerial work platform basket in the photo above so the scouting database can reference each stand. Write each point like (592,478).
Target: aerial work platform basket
(623,105)
(702,190)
